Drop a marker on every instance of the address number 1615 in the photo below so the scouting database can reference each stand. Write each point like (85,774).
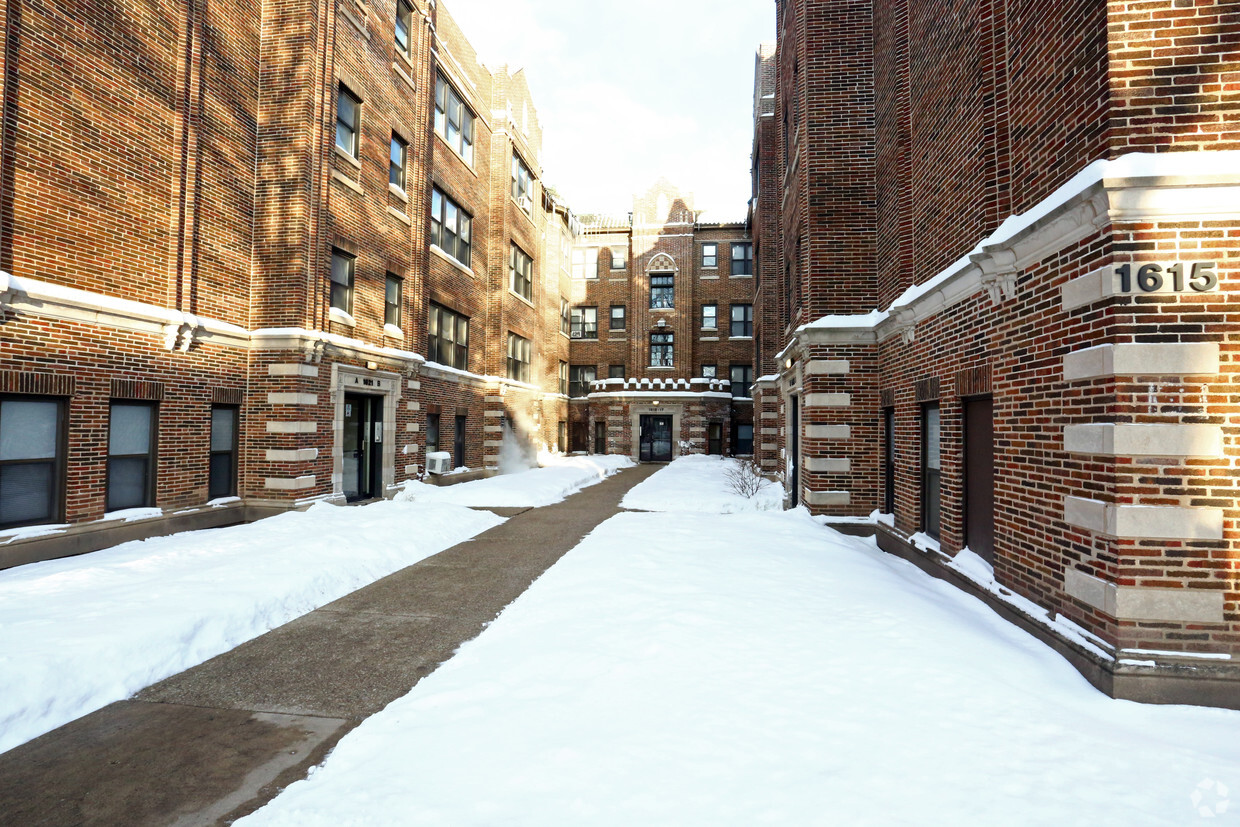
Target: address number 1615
(1151,278)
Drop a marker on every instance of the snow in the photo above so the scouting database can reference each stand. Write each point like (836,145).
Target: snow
(698,483)
(738,669)
(559,477)
(79,633)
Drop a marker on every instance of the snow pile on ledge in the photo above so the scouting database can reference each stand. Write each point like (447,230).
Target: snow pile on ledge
(686,669)
(558,477)
(79,633)
(699,483)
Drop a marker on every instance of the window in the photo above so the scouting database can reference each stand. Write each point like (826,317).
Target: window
(742,378)
(521,273)
(396,163)
(432,433)
(522,183)
(742,259)
(889,460)
(618,258)
(348,117)
(584,324)
(564,378)
(931,465)
(392,289)
(742,320)
(222,480)
(404,25)
(580,380)
(450,227)
(343,266)
(600,436)
(662,291)
(710,371)
(131,455)
(448,339)
(617,317)
(561,437)
(518,358)
(615,372)
(31,458)
(564,316)
(585,263)
(661,350)
(458,441)
(742,439)
(710,316)
(454,121)
(710,255)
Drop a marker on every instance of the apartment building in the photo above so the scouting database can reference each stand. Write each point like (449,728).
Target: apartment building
(1004,289)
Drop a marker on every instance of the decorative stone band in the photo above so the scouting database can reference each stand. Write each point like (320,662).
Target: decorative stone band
(292,427)
(1182,440)
(1135,603)
(1144,522)
(828,431)
(284,484)
(296,455)
(827,400)
(828,497)
(294,369)
(822,465)
(827,367)
(292,399)
(1142,359)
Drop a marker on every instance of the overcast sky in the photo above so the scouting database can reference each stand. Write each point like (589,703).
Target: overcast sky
(630,91)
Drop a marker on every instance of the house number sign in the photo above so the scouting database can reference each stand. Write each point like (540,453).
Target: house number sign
(1180,277)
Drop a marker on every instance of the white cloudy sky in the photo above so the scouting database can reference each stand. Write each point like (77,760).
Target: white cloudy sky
(630,91)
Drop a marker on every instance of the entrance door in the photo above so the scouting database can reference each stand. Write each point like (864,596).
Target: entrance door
(714,438)
(363,446)
(979,476)
(655,439)
(794,448)
(580,440)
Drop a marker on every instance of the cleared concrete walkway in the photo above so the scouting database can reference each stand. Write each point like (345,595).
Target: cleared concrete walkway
(219,740)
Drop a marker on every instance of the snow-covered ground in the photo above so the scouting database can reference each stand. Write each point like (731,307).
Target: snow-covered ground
(700,483)
(558,477)
(741,669)
(79,633)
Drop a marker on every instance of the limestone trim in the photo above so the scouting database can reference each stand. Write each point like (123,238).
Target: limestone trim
(1148,522)
(1142,359)
(828,432)
(1141,603)
(1182,440)
(827,497)
(822,465)
(827,400)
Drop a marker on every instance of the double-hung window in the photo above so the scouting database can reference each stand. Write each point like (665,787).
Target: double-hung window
(393,288)
(564,316)
(931,455)
(710,316)
(432,433)
(448,337)
(450,227)
(131,455)
(404,28)
(742,320)
(742,259)
(584,323)
(618,257)
(710,255)
(222,477)
(398,162)
(618,320)
(564,378)
(518,357)
(585,263)
(615,372)
(742,378)
(31,459)
(343,268)
(662,291)
(454,121)
(521,273)
(662,354)
(348,121)
(522,183)
(581,380)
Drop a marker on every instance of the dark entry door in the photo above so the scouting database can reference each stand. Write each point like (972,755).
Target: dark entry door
(794,448)
(656,439)
(714,438)
(580,436)
(979,476)
(363,446)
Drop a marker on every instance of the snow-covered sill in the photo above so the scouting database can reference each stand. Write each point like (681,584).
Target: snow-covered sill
(393,332)
(464,268)
(342,316)
(661,395)
(296,338)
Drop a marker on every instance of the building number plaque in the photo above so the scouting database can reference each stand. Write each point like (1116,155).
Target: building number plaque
(1198,277)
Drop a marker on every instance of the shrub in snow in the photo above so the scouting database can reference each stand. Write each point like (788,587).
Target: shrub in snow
(744,478)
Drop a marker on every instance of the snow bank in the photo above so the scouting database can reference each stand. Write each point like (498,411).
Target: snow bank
(758,669)
(79,633)
(559,477)
(699,483)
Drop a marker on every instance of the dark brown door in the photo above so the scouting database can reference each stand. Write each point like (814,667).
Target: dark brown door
(979,476)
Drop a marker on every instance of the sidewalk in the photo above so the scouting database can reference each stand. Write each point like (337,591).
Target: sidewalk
(219,740)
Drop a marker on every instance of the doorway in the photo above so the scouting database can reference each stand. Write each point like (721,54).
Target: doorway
(979,477)
(794,449)
(655,443)
(362,440)
(714,438)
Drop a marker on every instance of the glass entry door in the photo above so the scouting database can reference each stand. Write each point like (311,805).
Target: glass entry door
(363,446)
(656,439)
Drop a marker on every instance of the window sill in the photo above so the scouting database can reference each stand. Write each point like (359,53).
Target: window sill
(346,182)
(468,165)
(342,316)
(710,267)
(439,251)
(393,332)
(709,278)
(517,295)
(660,367)
(340,153)
(740,338)
(400,73)
(741,276)
(403,58)
(399,216)
(357,24)
(529,215)
(708,338)
(398,192)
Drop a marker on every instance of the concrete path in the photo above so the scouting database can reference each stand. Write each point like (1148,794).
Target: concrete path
(219,740)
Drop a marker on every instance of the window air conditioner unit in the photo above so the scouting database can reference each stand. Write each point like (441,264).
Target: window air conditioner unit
(525,203)
(438,462)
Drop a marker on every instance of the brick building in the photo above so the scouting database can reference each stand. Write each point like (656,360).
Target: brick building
(1000,244)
